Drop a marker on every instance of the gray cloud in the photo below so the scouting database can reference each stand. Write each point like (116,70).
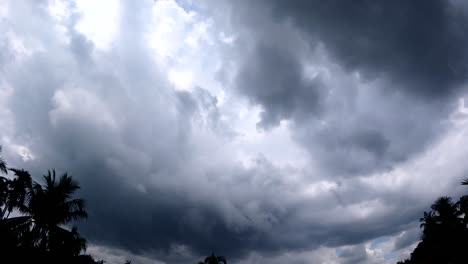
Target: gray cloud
(408,238)
(273,78)
(392,69)
(142,151)
(356,254)
(420,46)
(387,129)
(131,150)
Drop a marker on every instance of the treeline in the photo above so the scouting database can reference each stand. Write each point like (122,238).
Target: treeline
(34,219)
(444,238)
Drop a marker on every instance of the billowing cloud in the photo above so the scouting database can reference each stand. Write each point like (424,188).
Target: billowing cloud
(364,73)
(419,46)
(274,79)
(266,131)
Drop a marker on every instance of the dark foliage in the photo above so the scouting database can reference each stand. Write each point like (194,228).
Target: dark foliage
(40,233)
(3,165)
(214,260)
(444,236)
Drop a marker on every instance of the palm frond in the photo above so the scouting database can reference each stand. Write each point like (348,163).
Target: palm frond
(50,179)
(15,221)
(3,165)
(74,205)
(67,185)
(23,177)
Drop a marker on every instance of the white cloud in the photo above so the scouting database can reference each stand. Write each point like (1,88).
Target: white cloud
(80,104)
(99,20)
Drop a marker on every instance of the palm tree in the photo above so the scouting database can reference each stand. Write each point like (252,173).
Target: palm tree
(214,260)
(3,165)
(427,220)
(14,233)
(66,243)
(51,206)
(3,182)
(463,206)
(445,233)
(446,210)
(428,224)
(17,191)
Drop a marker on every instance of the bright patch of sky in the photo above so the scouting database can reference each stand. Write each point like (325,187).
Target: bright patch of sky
(99,20)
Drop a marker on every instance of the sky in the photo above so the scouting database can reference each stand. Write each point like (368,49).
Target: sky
(265,131)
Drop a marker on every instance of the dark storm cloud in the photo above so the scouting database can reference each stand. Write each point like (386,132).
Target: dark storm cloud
(273,78)
(370,140)
(104,153)
(132,152)
(391,65)
(420,45)
(113,121)
(373,132)
(157,218)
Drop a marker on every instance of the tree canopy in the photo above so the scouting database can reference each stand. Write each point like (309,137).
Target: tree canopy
(444,237)
(40,232)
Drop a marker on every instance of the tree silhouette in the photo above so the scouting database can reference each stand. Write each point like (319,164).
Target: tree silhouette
(51,206)
(214,259)
(66,243)
(3,194)
(46,210)
(3,184)
(40,233)
(427,222)
(17,190)
(463,207)
(3,165)
(445,234)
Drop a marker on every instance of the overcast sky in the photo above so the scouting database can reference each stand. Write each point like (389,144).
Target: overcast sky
(266,131)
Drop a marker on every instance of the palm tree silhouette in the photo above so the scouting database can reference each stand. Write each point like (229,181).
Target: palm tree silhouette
(66,243)
(51,206)
(214,259)
(17,191)
(427,220)
(3,184)
(463,206)
(3,193)
(40,234)
(447,210)
(3,165)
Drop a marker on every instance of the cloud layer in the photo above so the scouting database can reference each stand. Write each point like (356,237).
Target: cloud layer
(268,131)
